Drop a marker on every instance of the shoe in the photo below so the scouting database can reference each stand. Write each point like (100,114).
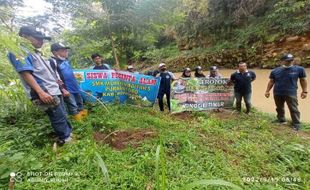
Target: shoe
(84,112)
(78,117)
(296,128)
(69,139)
(283,122)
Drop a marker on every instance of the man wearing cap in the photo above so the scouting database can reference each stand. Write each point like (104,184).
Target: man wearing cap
(284,80)
(131,69)
(165,85)
(214,73)
(242,80)
(40,83)
(62,66)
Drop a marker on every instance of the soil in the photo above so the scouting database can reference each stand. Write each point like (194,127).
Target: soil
(224,114)
(184,116)
(121,139)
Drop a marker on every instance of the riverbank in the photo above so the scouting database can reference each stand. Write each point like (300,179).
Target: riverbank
(142,148)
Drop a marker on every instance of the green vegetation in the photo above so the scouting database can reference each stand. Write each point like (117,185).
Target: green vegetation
(160,151)
(184,151)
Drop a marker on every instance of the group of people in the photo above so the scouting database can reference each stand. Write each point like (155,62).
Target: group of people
(51,84)
(283,80)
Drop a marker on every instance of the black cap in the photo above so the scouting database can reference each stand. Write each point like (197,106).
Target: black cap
(33,32)
(213,68)
(287,57)
(58,46)
(198,68)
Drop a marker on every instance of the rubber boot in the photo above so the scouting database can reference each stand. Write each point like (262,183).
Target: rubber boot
(78,117)
(84,112)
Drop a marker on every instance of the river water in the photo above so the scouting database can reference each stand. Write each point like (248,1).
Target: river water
(267,104)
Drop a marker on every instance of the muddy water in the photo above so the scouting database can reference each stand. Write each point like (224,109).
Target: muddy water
(267,104)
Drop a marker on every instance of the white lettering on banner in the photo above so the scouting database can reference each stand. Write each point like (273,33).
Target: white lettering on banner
(204,105)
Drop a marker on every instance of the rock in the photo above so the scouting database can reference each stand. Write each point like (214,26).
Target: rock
(303,39)
(292,39)
(306,47)
(274,54)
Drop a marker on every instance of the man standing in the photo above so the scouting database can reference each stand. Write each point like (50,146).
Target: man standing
(40,83)
(284,79)
(242,80)
(99,65)
(165,85)
(62,66)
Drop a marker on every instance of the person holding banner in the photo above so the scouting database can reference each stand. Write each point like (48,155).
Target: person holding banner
(62,66)
(165,85)
(131,69)
(198,72)
(99,65)
(214,73)
(40,82)
(242,80)
(186,73)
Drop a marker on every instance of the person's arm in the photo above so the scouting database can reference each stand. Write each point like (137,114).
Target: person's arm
(29,79)
(253,76)
(303,84)
(269,87)
(231,80)
(172,76)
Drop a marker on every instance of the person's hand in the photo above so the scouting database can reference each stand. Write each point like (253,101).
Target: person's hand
(65,93)
(267,94)
(230,83)
(303,95)
(46,98)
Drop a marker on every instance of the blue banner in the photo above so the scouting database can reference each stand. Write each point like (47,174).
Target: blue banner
(111,86)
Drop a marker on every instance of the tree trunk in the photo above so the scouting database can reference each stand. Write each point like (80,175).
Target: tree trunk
(114,53)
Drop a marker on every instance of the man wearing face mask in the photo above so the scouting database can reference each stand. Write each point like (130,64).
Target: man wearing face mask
(284,80)
(62,66)
(165,85)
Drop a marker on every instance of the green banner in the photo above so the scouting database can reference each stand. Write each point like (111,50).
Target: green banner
(197,94)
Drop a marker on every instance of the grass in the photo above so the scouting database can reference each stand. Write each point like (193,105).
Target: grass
(190,151)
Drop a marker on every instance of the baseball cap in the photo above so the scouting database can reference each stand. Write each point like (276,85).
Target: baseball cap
(287,57)
(58,46)
(198,68)
(33,32)
(213,68)
(161,65)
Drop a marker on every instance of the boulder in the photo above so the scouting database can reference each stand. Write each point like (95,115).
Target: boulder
(306,47)
(292,39)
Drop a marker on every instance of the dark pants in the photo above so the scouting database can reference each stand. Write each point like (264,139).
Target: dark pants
(247,100)
(161,100)
(59,121)
(292,104)
(74,103)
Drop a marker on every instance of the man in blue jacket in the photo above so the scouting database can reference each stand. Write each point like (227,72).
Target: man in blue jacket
(62,66)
